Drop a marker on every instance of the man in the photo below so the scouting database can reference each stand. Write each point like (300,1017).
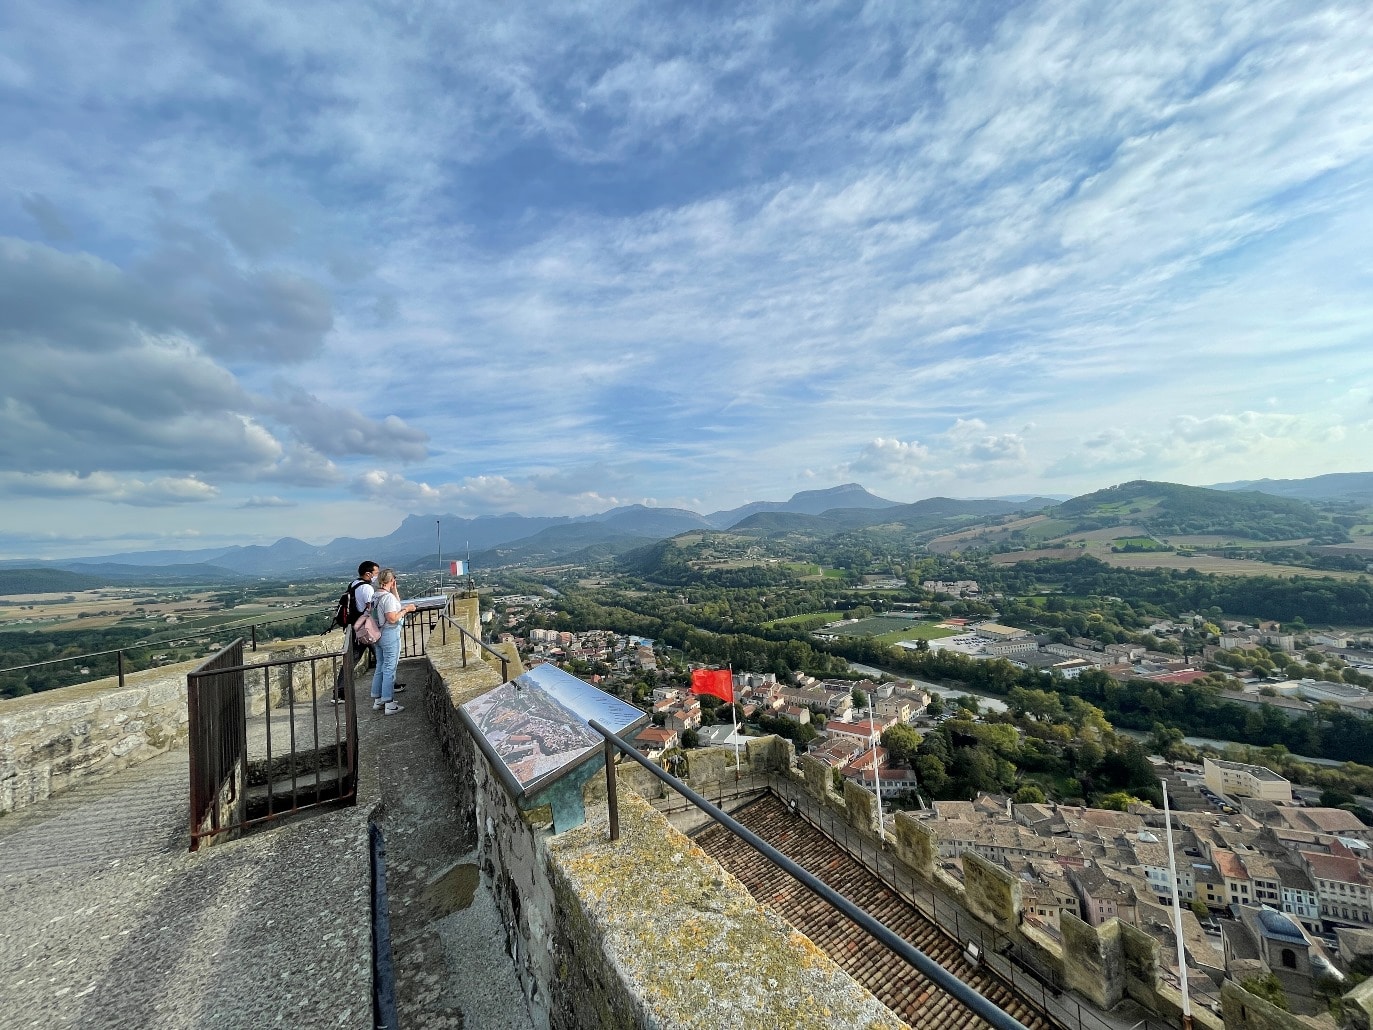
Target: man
(359,597)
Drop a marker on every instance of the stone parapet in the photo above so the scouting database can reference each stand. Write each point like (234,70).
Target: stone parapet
(646,931)
(52,740)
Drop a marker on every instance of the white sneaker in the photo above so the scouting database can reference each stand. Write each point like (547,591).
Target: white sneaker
(377,703)
(393,708)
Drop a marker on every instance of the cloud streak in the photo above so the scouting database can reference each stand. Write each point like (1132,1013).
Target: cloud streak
(544,261)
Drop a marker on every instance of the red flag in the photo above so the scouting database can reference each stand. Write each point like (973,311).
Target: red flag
(719,682)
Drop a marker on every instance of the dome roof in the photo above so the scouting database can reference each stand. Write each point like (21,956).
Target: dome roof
(1276,924)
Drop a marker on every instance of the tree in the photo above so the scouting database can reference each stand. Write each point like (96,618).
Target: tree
(690,738)
(1268,988)
(901,742)
(860,699)
(1029,795)
(1118,801)
(1199,908)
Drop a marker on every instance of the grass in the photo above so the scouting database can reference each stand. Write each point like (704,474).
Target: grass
(808,621)
(920,631)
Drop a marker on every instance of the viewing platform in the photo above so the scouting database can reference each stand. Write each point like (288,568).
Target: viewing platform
(476,910)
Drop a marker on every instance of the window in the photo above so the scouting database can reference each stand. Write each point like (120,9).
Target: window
(1289,958)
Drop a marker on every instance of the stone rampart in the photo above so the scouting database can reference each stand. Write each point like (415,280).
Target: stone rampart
(52,740)
(645,931)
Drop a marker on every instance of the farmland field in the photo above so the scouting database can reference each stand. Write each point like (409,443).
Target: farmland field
(1201,562)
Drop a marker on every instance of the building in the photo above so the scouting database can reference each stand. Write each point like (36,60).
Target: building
(1250,781)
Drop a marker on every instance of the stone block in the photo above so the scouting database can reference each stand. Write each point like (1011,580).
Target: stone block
(771,754)
(73,711)
(1092,962)
(121,700)
(709,766)
(991,892)
(127,745)
(860,807)
(915,844)
(1245,1011)
(1139,958)
(818,779)
(168,693)
(1358,1006)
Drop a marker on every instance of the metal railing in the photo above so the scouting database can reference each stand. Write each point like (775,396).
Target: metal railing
(464,636)
(246,768)
(1012,963)
(936,973)
(123,656)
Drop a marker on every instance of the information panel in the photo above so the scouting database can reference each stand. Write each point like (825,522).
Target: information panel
(536,725)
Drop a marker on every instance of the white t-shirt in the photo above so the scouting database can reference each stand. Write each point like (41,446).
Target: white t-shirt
(363,592)
(384,601)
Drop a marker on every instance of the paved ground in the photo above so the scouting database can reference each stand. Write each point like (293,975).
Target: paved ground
(106,919)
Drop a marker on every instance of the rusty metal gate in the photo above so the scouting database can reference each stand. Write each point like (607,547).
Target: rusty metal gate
(269,739)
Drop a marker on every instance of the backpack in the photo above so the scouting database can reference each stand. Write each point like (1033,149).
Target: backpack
(344,613)
(366,631)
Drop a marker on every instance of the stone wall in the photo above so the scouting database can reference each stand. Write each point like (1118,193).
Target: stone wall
(645,931)
(52,740)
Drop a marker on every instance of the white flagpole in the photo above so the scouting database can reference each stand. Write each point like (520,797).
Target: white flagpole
(438,541)
(876,776)
(1177,912)
(734,716)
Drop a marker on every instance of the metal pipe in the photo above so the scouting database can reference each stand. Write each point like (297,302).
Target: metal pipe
(941,977)
(611,794)
(1177,912)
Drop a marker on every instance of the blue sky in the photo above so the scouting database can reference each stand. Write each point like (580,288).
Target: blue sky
(301,269)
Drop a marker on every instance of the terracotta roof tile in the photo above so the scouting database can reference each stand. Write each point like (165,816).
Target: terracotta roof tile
(896,983)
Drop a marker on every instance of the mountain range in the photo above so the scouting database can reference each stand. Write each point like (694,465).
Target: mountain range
(513,539)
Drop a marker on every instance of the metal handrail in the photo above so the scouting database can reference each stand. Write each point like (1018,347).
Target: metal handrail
(464,635)
(941,977)
(121,651)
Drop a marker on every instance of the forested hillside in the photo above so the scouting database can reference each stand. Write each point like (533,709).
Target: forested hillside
(1169,508)
(46,581)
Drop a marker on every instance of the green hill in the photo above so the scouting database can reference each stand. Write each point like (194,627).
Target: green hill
(1170,508)
(46,581)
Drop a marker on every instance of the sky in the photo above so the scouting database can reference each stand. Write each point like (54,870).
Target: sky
(302,269)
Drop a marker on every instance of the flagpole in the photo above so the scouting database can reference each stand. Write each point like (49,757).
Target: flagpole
(1177,913)
(734,714)
(876,776)
(438,542)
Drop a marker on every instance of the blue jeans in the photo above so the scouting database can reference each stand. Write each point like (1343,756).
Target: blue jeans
(388,654)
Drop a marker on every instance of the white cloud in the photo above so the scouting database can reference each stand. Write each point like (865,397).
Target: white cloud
(103,486)
(543,259)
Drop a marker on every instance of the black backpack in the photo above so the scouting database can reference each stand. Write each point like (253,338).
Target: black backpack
(345,613)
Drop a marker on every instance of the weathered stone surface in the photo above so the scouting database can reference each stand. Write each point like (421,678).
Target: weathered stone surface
(709,766)
(860,807)
(817,775)
(1358,1006)
(915,844)
(1092,961)
(991,892)
(52,740)
(1245,1011)
(649,931)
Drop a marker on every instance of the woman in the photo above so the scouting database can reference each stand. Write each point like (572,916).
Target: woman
(390,617)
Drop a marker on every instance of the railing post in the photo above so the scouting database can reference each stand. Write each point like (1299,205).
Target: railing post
(252,632)
(463,637)
(612,798)
(120,655)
